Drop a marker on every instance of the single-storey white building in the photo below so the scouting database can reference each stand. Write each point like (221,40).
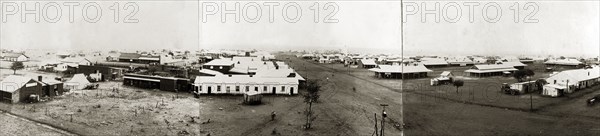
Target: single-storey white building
(400,71)
(14,57)
(553,90)
(78,61)
(571,80)
(434,62)
(367,63)
(242,84)
(489,70)
(563,62)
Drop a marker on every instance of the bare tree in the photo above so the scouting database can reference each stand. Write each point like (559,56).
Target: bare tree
(312,88)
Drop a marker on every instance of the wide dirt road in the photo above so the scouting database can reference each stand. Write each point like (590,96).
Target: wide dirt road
(427,115)
(350,111)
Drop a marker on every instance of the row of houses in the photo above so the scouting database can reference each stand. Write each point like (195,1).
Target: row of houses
(69,63)
(370,61)
(418,70)
(250,73)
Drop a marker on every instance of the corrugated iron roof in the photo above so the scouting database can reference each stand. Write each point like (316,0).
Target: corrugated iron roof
(13,83)
(400,69)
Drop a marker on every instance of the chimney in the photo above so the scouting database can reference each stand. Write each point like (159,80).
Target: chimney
(40,78)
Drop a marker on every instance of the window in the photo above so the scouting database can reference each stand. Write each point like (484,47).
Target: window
(218,88)
(247,88)
(228,88)
(291,89)
(199,88)
(237,88)
(256,88)
(282,88)
(265,88)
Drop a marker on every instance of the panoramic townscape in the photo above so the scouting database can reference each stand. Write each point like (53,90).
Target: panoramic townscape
(238,92)
(299,68)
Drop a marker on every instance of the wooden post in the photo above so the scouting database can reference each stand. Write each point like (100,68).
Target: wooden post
(530,95)
(376,133)
(308,114)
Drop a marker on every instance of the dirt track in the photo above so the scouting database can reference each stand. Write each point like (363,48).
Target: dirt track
(15,125)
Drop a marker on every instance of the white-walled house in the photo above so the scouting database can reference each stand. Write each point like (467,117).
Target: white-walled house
(241,84)
(569,81)
(78,61)
(14,57)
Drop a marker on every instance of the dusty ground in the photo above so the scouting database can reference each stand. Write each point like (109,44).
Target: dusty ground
(14,126)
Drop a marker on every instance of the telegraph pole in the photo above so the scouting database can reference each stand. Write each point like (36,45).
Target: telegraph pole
(383,116)
(530,94)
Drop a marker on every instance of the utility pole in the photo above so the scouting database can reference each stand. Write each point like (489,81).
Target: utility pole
(530,94)
(383,116)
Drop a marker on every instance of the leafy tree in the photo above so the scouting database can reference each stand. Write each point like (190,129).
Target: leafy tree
(17,66)
(312,89)
(69,71)
(152,70)
(521,74)
(457,84)
(540,83)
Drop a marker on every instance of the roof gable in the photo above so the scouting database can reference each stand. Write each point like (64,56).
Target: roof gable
(14,55)
(13,83)
(576,75)
(129,56)
(400,69)
(368,62)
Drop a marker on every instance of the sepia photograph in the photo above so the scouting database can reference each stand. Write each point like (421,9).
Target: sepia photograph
(299,67)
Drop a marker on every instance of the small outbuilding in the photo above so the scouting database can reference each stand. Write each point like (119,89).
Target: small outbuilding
(252,98)
(14,89)
(444,78)
(367,63)
(79,81)
(554,90)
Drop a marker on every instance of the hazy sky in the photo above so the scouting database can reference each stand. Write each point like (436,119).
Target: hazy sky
(564,28)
